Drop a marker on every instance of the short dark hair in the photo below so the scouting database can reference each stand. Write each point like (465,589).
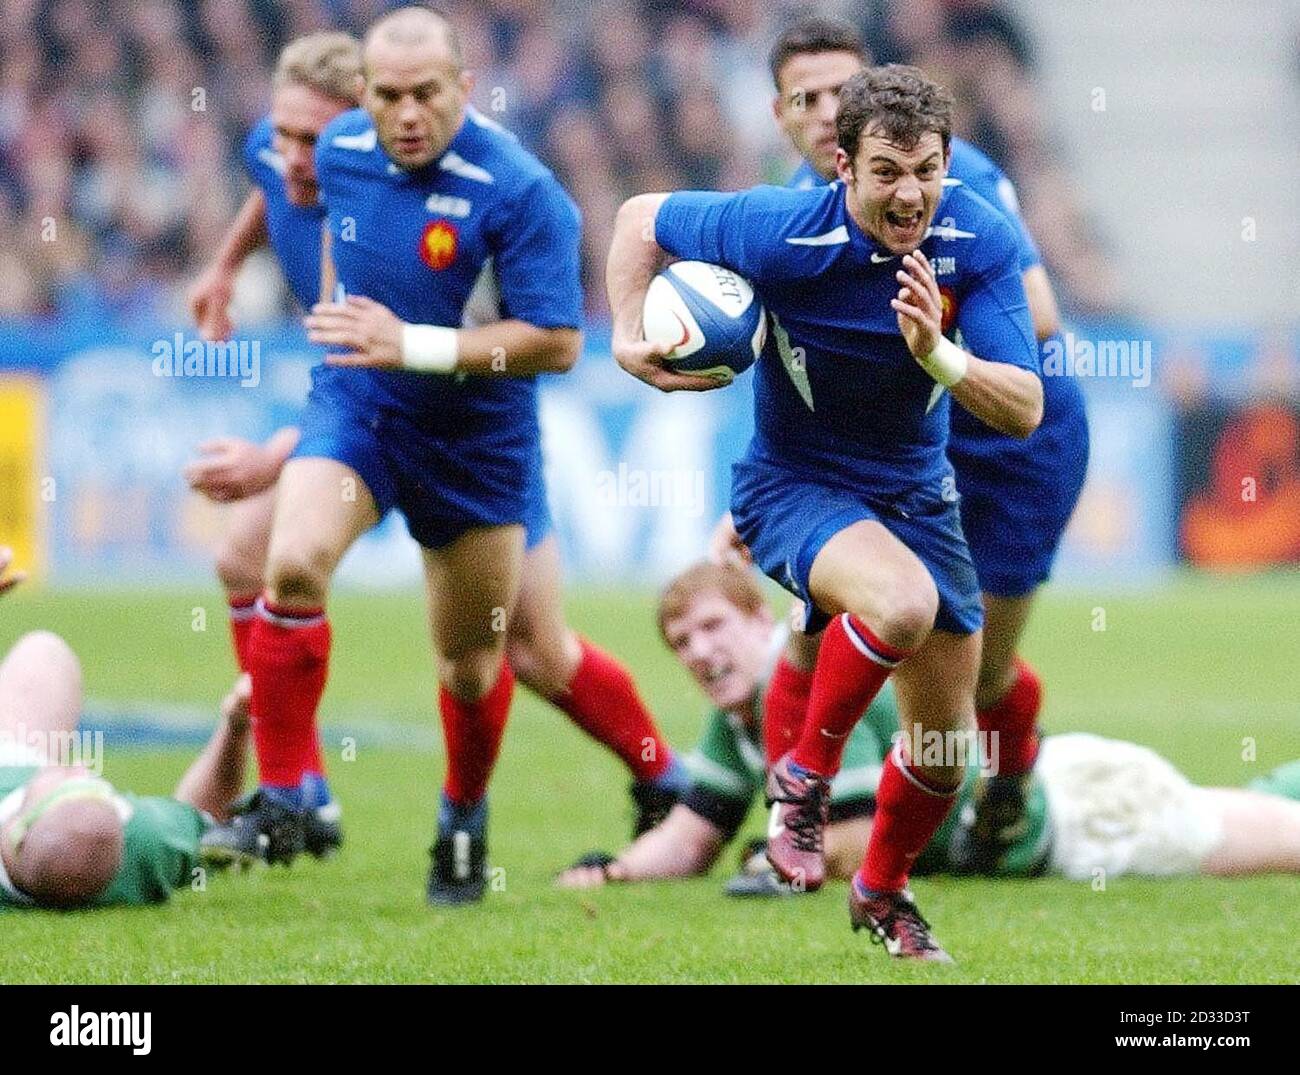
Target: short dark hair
(898,100)
(814,34)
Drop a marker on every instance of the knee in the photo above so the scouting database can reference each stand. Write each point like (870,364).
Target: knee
(903,612)
(471,674)
(544,666)
(992,685)
(299,575)
(47,651)
(239,571)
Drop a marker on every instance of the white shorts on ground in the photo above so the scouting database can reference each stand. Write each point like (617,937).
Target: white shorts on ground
(1123,809)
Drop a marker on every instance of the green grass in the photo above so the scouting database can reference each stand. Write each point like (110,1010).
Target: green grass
(1192,669)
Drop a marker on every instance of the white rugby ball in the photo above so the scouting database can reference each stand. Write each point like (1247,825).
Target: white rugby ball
(710,317)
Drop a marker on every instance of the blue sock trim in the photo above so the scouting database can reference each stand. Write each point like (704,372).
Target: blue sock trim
(315,791)
(285,796)
(676,778)
(462,817)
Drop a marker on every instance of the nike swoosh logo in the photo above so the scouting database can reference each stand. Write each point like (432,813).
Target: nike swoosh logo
(774,826)
(876,259)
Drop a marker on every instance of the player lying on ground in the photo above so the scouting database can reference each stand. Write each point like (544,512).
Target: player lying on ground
(844,495)
(68,838)
(445,430)
(1016,495)
(315,81)
(1115,808)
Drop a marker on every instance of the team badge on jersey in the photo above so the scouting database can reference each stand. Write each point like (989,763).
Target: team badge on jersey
(438,244)
(947,309)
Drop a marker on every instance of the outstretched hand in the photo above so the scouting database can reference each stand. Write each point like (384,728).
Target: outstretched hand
(8,580)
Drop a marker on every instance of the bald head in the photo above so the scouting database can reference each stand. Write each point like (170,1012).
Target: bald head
(416,88)
(71,853)
(418,28)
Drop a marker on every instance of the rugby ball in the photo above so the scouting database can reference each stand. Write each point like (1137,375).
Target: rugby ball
(709,316)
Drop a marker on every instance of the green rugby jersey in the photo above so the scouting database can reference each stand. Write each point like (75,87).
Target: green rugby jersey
(728,770)
(161,845)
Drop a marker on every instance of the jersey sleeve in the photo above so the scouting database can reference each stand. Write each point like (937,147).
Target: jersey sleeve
(739,231)
(993,313)
(256,146)
(535,244)
(1004,192)
(722,785)
(161,850)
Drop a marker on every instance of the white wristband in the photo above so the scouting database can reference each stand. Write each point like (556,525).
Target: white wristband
(430,348)
(946,363)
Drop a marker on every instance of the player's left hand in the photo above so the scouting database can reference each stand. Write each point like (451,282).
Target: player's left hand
(8,581)
(594,869)
(369,330)
(919,305)
(231,468)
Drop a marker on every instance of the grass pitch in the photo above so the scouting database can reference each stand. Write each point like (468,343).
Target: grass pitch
(1204,670)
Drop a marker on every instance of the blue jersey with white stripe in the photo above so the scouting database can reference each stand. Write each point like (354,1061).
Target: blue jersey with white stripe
(973,168)
(838,396)
(483,232)
(294,230)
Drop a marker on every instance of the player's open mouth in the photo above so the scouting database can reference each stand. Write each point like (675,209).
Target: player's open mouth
(904,222)
(713,675)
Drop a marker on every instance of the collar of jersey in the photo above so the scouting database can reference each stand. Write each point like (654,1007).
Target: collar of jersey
(459,142)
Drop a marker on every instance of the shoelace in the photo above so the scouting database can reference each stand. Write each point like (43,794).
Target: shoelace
(904,917)
(805,824)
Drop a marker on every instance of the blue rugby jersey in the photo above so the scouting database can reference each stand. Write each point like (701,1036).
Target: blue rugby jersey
(838,397)
(294,231)
(484,218)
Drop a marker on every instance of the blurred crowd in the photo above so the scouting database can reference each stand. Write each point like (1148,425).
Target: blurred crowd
(121,122)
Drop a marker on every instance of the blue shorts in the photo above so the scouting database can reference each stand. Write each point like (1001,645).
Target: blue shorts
(442,483)
(786,520)
(537,512)
(1017,496)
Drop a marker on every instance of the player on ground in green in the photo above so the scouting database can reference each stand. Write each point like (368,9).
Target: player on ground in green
(1114,807)
(716,622)
(68,838)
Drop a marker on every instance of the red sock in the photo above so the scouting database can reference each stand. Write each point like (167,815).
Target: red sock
(288,658)
(852,666)
(785,705)
(602,700)
(908,813)
(242,614)
(1014,717)
(473,732)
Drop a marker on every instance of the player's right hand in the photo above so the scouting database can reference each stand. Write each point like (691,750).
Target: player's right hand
(236,707)
(725,546)
(646,362)
(232,468)
(8,581)
(210,304)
